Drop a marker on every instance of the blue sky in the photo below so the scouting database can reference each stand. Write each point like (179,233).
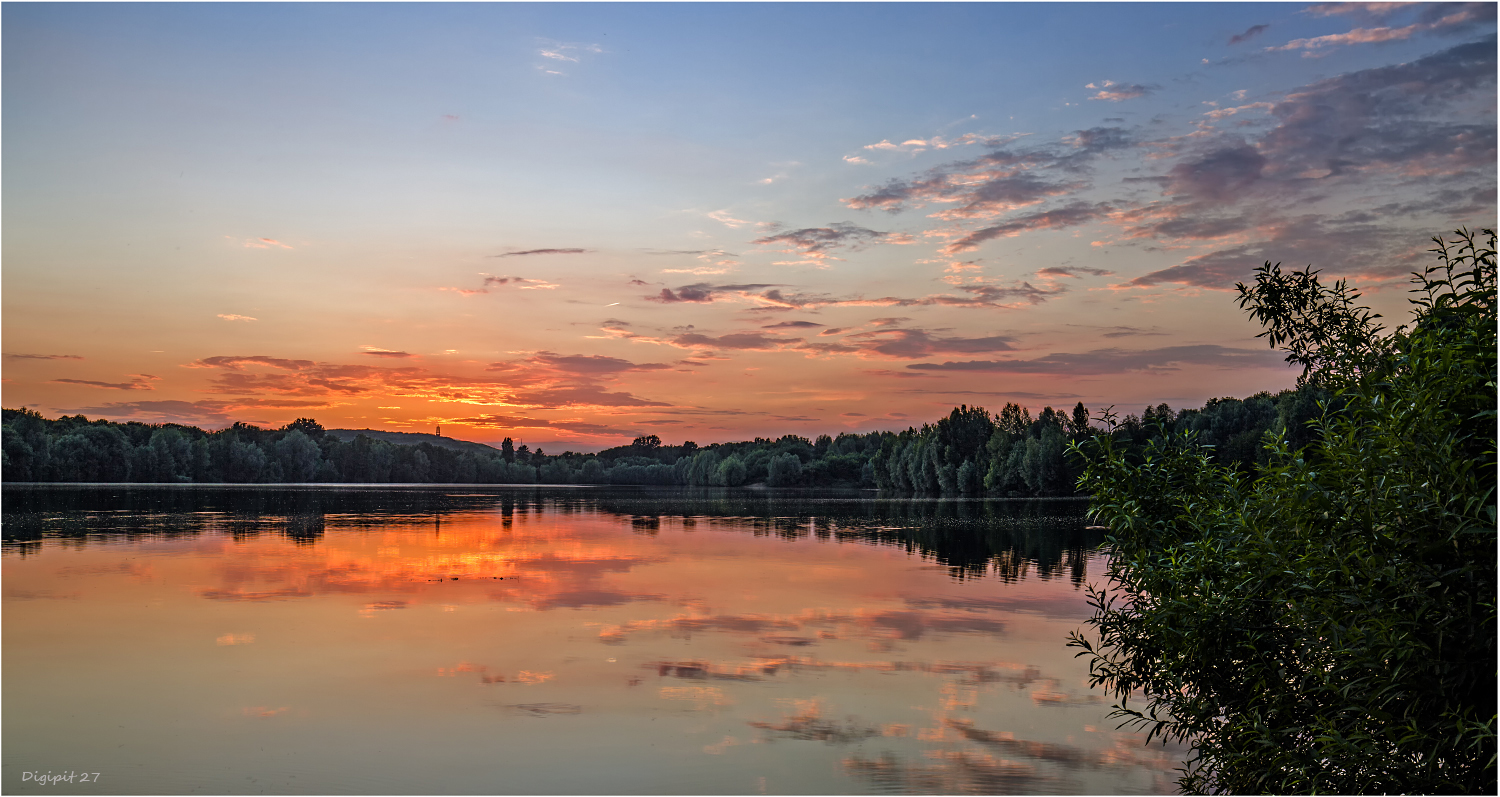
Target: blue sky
(580,222)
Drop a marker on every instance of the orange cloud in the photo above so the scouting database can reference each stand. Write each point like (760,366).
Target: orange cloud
(547,381)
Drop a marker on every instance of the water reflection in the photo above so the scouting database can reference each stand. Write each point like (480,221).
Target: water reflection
(973,537)
(553,641)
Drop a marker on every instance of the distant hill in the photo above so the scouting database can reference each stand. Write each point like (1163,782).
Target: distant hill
(411,439)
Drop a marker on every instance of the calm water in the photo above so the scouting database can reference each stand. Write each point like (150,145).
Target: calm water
(525,640)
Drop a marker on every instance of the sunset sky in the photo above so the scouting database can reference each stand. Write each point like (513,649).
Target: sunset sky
(577,223)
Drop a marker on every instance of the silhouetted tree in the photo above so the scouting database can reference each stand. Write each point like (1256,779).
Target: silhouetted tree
(306,426)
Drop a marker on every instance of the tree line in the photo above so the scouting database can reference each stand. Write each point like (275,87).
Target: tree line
(77,449)
(969,452)
(1012,454)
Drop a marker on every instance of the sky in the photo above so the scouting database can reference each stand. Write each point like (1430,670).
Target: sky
(572,224)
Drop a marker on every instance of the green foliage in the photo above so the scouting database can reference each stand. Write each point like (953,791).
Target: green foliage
(1320,328)
(1330,624)
(784,470)
(971,451)
(730,473)
(702,468)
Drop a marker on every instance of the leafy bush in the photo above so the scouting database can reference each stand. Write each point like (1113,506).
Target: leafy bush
(1330,625)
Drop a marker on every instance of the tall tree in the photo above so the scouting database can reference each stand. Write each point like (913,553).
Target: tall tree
(1329,626)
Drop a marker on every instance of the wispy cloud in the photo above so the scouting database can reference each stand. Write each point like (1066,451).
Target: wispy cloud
(259,243)
(1129,332)
(1073,272)
(1117,92)
(1068,216)
(817,244)
(581,364)
(376,351)
(1378,10)
(995,192)
(1225,113)
(556,54)
(519,282)
(703,292)
(137,382)
(235,317)
(43,357)
(513,283)
(1119,361)
(915,344)
(546,381)
(1441,18)
(741,341)
(1356,243)
(714,261)
(918,145)
(1250,33)
(238,363)
(578,396)
(767,298)
(723,217)
(793,325)
(562,251)
(1000,181)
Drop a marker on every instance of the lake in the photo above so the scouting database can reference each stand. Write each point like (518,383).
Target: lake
(442,639)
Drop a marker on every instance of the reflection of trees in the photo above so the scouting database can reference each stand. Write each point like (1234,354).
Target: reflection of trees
(972,537)
(119,513)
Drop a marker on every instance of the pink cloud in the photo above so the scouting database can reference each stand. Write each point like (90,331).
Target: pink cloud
(261,243)
(1224,113)
(1114,92)
(1468,14)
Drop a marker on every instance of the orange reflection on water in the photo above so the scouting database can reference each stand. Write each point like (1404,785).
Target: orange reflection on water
(546,640)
